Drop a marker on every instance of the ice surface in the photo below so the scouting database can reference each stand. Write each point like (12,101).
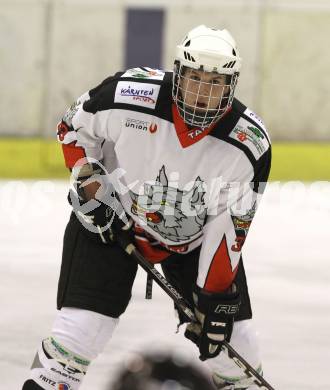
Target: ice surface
(287,263)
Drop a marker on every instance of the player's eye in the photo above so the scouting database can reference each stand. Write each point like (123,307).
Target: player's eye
(194,78)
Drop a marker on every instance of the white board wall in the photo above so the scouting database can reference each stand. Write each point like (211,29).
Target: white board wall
(52,51)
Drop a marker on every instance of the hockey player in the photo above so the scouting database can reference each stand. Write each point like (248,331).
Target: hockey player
(186,162)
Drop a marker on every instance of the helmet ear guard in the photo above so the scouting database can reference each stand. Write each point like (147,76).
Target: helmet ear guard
(206,50)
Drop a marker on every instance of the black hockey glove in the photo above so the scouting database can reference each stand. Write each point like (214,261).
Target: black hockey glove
(103,216)
(215,314)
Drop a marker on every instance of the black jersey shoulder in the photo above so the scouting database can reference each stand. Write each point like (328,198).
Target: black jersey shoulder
(140,89)
(242,131)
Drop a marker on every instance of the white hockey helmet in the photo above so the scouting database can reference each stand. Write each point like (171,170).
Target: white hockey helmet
(209,50)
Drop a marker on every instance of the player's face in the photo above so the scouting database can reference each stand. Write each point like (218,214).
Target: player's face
(203,90)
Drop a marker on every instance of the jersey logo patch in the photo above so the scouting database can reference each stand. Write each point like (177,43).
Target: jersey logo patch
(249,135)
(145,73)
(141,125)
(242,225)
(71,112)
(137,94)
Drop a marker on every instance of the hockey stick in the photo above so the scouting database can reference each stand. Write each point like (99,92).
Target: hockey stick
(185,308)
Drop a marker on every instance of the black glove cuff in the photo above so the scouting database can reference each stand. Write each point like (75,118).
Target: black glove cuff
(219,304)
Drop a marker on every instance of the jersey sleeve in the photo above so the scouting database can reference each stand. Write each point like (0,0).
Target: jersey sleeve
(84,127)
(226,231)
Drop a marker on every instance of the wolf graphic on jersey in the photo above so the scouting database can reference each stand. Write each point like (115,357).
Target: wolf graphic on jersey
(175,214)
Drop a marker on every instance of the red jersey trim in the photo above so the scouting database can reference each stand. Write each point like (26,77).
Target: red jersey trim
(188,136)
(220,275)
(152,254)
(72,154)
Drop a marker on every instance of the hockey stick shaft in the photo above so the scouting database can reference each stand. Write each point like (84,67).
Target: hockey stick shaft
(161,281)
(185,308)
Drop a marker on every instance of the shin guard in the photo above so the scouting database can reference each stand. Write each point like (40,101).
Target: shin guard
(55,367)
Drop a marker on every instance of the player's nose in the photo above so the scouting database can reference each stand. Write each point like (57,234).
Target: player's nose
(205,88)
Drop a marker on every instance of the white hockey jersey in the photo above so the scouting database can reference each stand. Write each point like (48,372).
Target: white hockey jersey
(184,187)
